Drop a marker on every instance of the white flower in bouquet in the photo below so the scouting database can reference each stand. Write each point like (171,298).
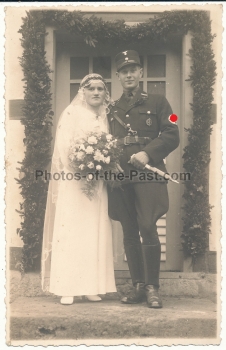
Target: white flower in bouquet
(105,151)
(109,137)
(98,167)
(114,142)
(71,157)
(80,155)
(98,156)
(90,165)
(82,147)
(107,160)
(89,150)
(92,140)
(81,166)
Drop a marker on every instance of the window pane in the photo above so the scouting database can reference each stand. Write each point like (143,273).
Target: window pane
(79,67)
(73,90)
(109,87)
(141,61)
(75,86)
(102,66)
(156,87)
(156,66)
(141,84)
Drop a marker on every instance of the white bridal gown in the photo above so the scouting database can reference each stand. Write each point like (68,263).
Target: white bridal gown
(81,256)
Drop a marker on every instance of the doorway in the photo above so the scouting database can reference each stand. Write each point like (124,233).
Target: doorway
(162,75)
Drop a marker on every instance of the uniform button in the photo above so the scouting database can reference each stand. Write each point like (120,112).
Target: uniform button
(148,112)
(127,115)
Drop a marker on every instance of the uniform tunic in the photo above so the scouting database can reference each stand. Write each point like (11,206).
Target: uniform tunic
(149,116)
(139,204)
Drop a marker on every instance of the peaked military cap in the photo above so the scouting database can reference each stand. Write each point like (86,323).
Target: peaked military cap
(126,58)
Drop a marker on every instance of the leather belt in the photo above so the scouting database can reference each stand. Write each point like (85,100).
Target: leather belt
(128,140)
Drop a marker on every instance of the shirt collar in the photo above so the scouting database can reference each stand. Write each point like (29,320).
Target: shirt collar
(134,91)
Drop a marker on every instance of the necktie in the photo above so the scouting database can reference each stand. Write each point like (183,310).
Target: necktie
(129,96)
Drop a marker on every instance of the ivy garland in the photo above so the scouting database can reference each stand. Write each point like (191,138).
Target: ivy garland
(37,112)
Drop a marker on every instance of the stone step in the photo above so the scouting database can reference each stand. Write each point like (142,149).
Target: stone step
(172,284)
(44,320)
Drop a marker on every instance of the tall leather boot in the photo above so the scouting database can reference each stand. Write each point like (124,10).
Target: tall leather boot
(135,262)
(151,258)
(136,267)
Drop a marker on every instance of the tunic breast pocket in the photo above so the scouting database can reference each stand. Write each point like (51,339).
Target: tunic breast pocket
(147,121)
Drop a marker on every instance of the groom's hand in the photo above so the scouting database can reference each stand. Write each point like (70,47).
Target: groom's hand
(139,160)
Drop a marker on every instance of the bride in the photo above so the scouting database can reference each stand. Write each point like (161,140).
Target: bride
(77,257)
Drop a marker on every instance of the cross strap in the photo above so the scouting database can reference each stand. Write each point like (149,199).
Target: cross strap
(119,120)
(126,127)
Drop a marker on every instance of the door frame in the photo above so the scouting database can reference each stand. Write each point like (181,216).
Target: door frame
(186,99)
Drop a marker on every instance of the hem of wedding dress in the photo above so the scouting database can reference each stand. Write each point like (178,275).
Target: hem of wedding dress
(113,290)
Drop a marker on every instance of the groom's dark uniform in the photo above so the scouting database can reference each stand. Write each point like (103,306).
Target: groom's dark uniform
(140,202)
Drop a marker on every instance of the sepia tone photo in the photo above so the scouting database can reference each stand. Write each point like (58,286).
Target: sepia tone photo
(113,174)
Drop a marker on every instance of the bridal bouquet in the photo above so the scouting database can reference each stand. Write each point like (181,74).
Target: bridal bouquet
(95,157)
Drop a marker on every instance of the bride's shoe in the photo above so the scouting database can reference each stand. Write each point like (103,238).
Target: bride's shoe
(67,300)
(93,298)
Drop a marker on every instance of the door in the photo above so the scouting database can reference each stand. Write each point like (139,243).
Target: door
(161,67)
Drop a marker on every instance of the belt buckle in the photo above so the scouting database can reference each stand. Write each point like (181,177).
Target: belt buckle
(125,141)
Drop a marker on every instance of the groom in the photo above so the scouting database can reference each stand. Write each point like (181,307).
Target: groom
(143,128)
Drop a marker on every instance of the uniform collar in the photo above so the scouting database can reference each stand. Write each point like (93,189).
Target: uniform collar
(133,92)
(139,97)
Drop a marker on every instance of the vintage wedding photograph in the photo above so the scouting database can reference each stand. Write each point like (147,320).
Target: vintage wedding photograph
(113,173)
